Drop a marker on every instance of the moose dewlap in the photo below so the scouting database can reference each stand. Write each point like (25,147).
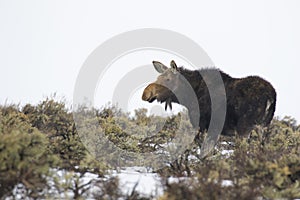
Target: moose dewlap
(250,101)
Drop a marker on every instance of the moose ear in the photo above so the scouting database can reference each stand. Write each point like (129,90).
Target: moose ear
(173,65)
(161,68)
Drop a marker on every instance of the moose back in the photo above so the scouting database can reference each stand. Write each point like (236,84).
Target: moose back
(250,101)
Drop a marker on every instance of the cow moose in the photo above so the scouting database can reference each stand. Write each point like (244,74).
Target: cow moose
(250,101)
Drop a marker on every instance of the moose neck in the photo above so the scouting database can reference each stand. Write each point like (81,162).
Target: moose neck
(189,89)
(199,80)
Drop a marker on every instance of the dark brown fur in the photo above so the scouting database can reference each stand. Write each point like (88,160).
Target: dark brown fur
(250,101)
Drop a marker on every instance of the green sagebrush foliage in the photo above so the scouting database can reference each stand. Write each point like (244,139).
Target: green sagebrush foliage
(264,166)
(40,140)
(36,141)
(24,157)
(53,119)
(110,134)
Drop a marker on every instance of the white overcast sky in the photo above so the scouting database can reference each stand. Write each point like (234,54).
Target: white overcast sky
(43,44)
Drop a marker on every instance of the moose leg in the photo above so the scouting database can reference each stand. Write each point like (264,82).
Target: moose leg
(199,138)
(244,127)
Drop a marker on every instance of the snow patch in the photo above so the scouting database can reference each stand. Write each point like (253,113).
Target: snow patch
(137,178)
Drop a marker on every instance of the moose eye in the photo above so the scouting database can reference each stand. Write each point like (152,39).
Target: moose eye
(168,79)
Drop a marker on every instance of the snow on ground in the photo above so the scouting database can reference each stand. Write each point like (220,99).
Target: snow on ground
(147,184)
(130,178)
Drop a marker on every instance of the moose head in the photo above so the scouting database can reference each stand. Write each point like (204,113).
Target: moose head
(166,86)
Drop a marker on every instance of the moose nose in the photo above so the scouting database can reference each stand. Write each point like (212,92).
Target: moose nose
(149,93)
(146,95)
